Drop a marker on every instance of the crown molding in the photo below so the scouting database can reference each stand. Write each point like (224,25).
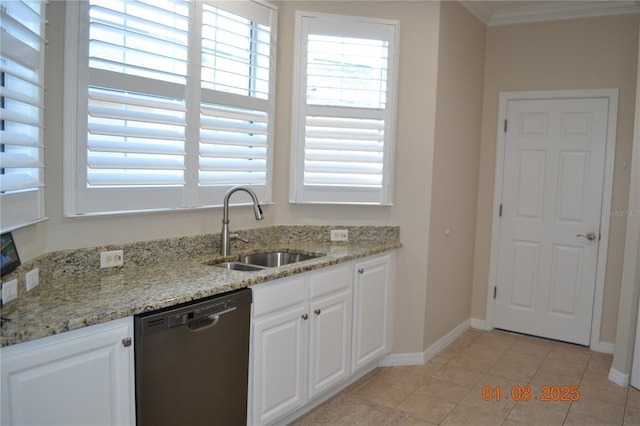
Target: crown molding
(514,13)
(479,9)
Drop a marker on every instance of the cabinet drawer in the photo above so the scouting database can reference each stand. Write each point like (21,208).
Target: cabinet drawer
(331,280)
(277,294)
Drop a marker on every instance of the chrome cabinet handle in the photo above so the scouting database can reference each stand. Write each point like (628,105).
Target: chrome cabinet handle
(317,311)
(126,342)
(590,236)
(305,317)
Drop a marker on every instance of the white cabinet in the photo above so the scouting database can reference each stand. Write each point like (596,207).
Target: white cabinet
(278,354)
(373,294)
(313,331)
(301,340)
(80,377)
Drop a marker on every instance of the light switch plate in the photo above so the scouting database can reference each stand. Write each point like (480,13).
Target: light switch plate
(9,291)
(32,279)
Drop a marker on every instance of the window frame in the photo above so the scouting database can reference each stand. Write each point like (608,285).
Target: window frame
(345,26)
(82,201)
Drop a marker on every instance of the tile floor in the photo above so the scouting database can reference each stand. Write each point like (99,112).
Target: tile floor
(447,390)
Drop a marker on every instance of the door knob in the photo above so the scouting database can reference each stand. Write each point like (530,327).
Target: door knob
(590,236)
(305,317)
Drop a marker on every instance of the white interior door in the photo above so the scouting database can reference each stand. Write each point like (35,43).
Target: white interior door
(553,179)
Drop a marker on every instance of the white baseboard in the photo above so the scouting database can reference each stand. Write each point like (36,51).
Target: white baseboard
(446,340)
(419,358)
(604,347)
(479,324)
(618,378)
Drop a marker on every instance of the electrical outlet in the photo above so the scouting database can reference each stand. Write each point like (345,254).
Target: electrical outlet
(9,291)
(339,235)
(109,259)
(32,279)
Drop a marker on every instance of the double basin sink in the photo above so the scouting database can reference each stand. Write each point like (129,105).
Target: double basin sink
(260,261)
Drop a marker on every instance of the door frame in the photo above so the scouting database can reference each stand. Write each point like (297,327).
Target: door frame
(609,167)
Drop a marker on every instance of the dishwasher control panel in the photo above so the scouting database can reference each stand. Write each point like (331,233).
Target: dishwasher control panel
(208,310)
(183,315)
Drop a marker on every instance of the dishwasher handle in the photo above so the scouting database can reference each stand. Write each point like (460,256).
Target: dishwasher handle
(207,322)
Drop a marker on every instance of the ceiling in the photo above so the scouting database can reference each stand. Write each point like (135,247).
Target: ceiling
(521,11)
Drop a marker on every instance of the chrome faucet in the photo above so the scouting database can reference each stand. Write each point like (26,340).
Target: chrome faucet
(225,238)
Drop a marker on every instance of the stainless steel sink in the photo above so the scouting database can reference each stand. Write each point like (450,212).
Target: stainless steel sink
(238,266)
(260,261)
(275,259)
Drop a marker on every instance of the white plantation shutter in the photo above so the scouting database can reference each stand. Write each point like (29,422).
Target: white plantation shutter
(344,152)
(343,132)
(233,146)
(236,72)
(178,96)
(21,114)
(147,39)
(134,139)
(236,50)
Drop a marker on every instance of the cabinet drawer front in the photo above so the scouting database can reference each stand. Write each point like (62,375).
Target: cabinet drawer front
(271,296)
(331,280)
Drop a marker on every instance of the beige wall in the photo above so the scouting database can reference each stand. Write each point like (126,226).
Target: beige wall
(455,174)
(560,55)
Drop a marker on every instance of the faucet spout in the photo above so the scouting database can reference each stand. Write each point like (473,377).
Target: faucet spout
(225,238)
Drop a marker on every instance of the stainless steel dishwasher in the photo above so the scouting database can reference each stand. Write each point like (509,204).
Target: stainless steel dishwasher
(192,362)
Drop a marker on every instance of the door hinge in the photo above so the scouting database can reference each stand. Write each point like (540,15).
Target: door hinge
(505,126)
(495,291)
(500,211)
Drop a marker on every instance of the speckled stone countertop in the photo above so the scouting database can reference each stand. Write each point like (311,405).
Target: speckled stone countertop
(74,292)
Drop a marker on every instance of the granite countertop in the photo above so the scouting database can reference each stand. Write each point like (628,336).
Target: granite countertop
(85,296)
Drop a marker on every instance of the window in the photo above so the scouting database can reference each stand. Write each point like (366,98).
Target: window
(21,113)
(344,108)
(174,102)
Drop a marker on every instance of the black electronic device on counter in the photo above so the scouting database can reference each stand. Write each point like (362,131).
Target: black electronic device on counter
(10,259)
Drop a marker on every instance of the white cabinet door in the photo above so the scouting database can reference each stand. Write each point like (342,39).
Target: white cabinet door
(330,292)
(330,341)
(372,310)
(279,364)
(83,377)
